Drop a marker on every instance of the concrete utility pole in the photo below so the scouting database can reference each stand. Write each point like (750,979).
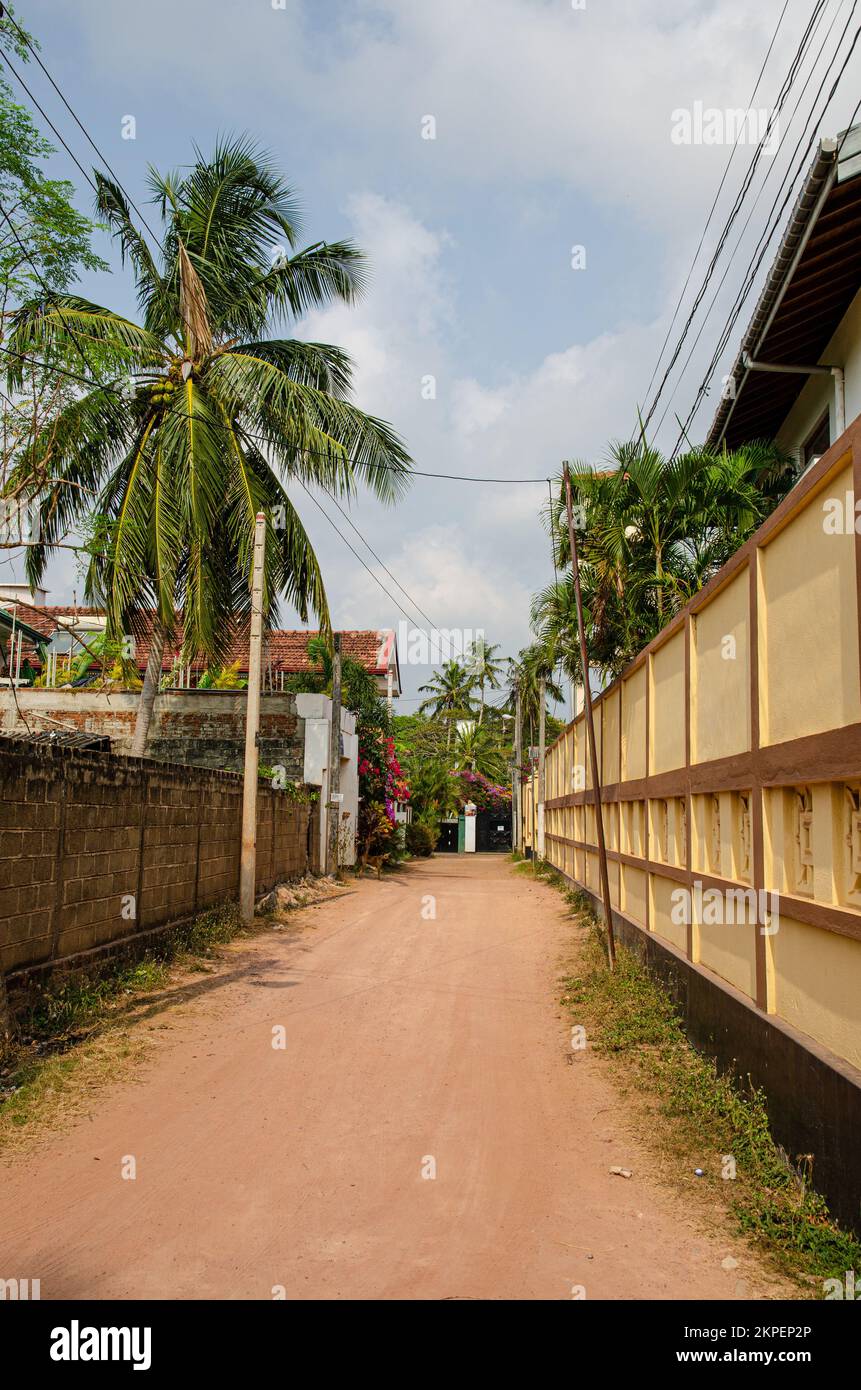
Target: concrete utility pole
(518,763)
(590,726)
(542,742)
(333,819)
(248,868)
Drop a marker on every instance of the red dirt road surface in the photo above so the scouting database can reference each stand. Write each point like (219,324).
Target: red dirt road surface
(414,1045)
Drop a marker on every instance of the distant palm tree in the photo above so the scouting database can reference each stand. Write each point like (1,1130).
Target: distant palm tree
(478,748)
(217,415)
(654,532)
(524,676)
(358,687)
(485,668)
(450,691)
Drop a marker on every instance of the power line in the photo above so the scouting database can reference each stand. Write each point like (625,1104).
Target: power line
(26,39)
(737,205)
(258,438)
(339,532)
(764,240)
(157,240)
(48,291)
(47,118)
(365,542)
(449,477)
(713,206)
(753,208)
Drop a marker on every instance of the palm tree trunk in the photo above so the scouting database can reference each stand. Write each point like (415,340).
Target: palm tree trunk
(481,707)
(152,680)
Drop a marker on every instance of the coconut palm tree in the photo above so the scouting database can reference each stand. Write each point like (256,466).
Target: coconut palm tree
(358,687)
(478,748)
(450,691)
(486,669)
(216,416)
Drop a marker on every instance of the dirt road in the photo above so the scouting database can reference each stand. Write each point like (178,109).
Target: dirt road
(414,1045)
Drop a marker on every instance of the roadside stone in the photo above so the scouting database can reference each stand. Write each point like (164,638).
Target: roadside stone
(286,897)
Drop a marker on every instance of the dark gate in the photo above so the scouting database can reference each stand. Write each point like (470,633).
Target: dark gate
(447,842)
(493,832)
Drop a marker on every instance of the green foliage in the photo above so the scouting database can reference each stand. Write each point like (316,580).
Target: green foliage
(651,532)
(217,416)
(45,240)
(359,692)
(223,678)
(421,840)
(49,233)
(450,691)
(294,791)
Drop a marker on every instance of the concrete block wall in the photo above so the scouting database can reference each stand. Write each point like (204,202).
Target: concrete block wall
(95,848)
(202,728)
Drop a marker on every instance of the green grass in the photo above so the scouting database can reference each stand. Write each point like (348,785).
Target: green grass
(702,1114)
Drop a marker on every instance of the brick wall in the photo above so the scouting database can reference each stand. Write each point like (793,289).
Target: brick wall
(96,848)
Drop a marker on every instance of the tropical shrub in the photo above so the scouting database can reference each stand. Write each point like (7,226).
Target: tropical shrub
(420,839)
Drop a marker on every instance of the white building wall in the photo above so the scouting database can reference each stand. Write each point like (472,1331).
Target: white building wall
(817,395)
(316,710)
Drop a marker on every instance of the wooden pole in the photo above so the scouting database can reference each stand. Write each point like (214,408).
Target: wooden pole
(542,749)
(333,820)
(248,867)
(590,728)
(518,761)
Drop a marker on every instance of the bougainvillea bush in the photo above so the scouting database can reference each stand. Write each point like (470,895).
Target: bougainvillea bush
(486,795)
(381,786)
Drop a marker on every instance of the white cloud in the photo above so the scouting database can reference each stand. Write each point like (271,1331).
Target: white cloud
(470,555)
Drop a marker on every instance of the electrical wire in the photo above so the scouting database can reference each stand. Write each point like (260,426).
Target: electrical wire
(767,234)
(765,239)
(738,204)
(711,212)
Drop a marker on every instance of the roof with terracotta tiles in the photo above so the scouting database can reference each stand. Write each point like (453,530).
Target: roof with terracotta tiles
(284,651)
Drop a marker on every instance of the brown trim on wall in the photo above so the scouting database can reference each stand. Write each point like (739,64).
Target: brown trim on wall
(813,1096)
(831,756)
(823,915)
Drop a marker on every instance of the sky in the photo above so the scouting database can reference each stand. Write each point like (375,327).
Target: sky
(528,257)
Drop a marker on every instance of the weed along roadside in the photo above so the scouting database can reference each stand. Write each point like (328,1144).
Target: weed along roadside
(709,1133)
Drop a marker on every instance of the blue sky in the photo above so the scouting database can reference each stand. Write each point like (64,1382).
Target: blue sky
(552,130)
